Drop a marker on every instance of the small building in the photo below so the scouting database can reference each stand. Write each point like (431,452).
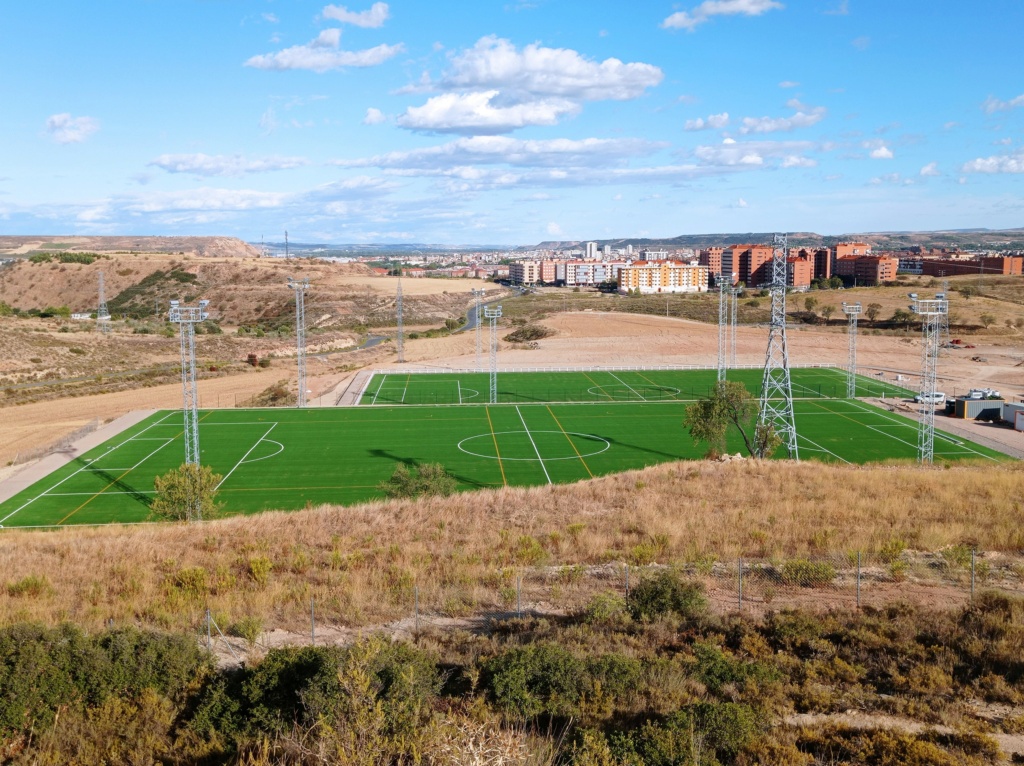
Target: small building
(986,409)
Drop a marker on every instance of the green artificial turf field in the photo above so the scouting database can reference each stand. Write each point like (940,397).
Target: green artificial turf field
(289,458)
(607,385)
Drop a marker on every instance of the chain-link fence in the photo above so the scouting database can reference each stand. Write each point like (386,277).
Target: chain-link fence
(948,579)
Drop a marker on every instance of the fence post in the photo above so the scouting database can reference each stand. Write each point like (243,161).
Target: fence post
(972,575)
(519,596)
(627,580)
(312,623)
(416,602)
(858,579)
(739,582)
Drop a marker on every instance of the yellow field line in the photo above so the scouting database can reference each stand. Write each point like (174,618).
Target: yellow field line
(118,479)
(569,438)
(585,375)
(496,450)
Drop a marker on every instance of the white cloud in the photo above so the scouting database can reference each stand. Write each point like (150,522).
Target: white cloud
(502,150)
(861,43)
(1004,163)
(270,18)
(206,198)
(268,121)
(373,18)
(374,117)
(65,129)
(494,87)
(554,229)
(842,9)
(931,169)
(752,154)
(324,54)
(495,63)
(224,165)
(882,152)
(992,105)
(689,20)
(741,203)
(789,84)
(804,117)
(714,121)
(475,113)
(794,161)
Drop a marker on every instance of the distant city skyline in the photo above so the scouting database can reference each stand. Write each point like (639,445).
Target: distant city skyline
(512,122)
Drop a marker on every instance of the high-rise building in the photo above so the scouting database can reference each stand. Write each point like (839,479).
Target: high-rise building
(591,250)
(663,277)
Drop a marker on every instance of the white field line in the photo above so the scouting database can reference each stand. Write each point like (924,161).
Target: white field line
(86,466)
(823,449)
(265,457)
(530,436)
(81,494)
(642,398)
(254,446)
(459,385)
(404,392)
(379,387)
(938,434)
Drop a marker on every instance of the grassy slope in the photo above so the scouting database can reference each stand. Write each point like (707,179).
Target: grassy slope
(361,562)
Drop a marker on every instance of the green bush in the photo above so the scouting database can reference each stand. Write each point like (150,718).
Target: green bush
(807,573)
(666,593)
(525,682)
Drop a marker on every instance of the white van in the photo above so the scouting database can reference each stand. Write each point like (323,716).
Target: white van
(934,397)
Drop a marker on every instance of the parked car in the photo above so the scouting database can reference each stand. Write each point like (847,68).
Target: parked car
(933,397)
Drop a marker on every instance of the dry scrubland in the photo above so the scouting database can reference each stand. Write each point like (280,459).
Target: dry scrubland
(360,563)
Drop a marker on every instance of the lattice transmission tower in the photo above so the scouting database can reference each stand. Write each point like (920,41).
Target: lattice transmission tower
(852,311)
(300,287)
(493,315)
(187,317)
(931,311)
(776,408)
(102,312)
(944,339)
(723,322)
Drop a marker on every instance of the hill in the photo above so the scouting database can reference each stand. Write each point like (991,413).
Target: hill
(224,247)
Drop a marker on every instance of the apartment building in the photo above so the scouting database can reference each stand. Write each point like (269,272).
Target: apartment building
(867,269)
(749,264)
(947,267)
(663,277)
(711,258)
(524,272)
(799,271)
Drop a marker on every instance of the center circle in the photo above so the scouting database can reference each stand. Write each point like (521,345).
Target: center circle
(598,445)
(634,393)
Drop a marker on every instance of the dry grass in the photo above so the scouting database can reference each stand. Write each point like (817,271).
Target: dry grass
(361,563)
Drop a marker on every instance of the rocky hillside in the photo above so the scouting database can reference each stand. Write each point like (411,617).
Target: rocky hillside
(224,247)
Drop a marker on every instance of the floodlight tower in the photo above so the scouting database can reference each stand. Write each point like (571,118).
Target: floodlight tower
(852,311)
(776,409)
(187,317)
(493,315)
(300,334)
(944,340)
(102,312)
(732,324)
(931,311)
(399,320)
(723,313)
(478,295)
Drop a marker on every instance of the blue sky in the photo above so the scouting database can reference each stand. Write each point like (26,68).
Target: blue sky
(509,122)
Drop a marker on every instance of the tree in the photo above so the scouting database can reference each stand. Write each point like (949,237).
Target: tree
(827,311)
(873,310)
(987,320)
(902,316)
(835,282)
(810,303)
(708,421)
(186,493)
(427,479)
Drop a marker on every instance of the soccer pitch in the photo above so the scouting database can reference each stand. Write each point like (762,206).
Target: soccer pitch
(289,458)
(605,385)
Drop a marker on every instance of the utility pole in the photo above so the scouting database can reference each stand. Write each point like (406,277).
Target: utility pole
(493,315)
(102,312)
(723,305)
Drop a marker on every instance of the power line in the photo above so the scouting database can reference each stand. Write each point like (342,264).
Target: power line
(300,335)
(931,311)
(776,410)
(852,311)
(187,317)
(493,315)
